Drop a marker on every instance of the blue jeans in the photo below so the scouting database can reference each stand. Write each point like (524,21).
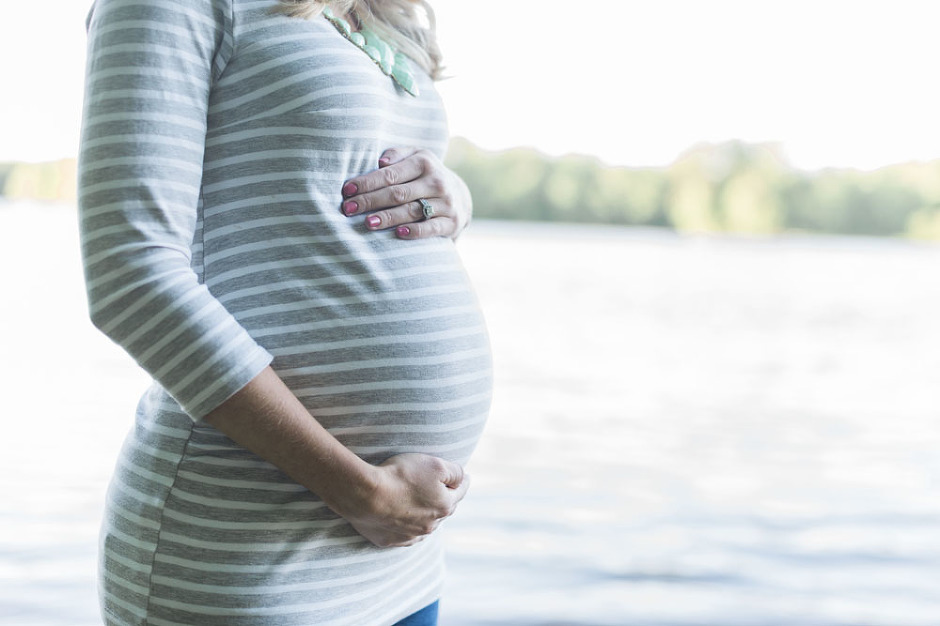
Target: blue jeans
(425,617)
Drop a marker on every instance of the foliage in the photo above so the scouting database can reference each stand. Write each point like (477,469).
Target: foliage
(729,187)
(55,180)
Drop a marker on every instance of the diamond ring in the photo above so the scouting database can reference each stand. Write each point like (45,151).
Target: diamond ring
(426,208)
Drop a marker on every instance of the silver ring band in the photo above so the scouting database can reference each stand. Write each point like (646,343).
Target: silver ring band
(426,208)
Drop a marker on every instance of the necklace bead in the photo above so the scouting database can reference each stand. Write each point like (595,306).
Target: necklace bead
(392,63)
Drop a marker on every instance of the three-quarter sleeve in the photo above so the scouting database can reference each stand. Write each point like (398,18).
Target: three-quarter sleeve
(149,72)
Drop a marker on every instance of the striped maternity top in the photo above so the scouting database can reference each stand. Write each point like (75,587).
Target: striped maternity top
(216,138)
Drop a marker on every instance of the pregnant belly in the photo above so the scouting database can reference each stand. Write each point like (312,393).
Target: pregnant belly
(416,385)
(391,369)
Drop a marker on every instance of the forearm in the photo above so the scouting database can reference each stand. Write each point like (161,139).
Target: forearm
(393,504)
(268,419)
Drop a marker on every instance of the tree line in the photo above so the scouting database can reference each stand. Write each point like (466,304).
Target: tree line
(732,187)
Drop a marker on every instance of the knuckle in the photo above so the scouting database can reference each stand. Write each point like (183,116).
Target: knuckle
(438,227)
(363,202)
(399,195)
(390,176)
(438,187)
(425,159)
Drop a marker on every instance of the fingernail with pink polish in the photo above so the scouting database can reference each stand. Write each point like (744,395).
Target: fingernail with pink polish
(384,161)
(373,221)
(350,207)
(350,189)
(404,231)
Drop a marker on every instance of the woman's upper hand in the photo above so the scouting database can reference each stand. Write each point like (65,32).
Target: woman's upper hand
(391,196)
(413,493)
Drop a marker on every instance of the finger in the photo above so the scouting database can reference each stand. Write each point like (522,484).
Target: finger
(404,194)
(408,213)
(400,541)
(394,155)
(406,170)
(412,542)
(400,534)
(405,214)
(434,227)
(412,534)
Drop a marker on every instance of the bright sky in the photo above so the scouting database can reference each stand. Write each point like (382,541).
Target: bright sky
(836,82)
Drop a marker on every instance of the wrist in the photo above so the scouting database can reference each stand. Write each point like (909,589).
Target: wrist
(352,487)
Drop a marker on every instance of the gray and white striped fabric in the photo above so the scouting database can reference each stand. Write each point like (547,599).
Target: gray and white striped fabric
(215,142)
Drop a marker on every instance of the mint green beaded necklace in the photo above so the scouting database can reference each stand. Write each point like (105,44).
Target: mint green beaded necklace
(392,63)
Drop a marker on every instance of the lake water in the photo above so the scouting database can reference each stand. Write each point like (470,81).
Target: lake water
(686,430)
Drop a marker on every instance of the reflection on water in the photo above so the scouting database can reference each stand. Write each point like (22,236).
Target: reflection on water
(686,431)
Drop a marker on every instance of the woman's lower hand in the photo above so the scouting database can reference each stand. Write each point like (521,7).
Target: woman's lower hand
(413,493)
(392,195)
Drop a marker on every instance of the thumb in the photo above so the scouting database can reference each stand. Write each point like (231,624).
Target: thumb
(453,475)
(461,490)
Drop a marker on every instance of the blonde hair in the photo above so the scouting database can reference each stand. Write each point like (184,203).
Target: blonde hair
(407,24)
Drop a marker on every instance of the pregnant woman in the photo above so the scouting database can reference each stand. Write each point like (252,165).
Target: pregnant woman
(267,229)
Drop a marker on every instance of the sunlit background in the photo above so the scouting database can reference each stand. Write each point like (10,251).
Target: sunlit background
(713,406)
(838,83)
